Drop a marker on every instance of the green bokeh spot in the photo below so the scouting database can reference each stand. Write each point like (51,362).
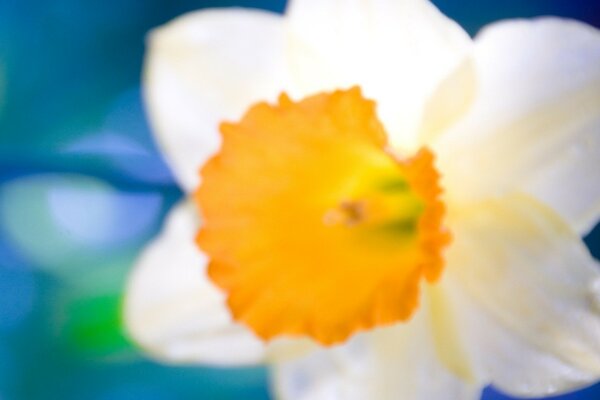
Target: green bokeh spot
(93,327)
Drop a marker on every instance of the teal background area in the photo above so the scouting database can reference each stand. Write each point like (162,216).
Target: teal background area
(83,189)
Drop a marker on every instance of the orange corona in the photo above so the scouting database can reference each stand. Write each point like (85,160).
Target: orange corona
(313,227)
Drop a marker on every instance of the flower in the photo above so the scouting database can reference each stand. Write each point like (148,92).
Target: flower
(497,287)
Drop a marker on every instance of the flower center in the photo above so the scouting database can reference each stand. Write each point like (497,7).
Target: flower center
(313,227)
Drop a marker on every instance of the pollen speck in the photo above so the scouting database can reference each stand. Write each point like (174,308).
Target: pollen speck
(349,213)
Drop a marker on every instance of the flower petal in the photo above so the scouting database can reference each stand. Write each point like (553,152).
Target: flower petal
(399,362)
(525,290)
(206,67)
(535,120)
(174,311)
(450,101)
(397,51)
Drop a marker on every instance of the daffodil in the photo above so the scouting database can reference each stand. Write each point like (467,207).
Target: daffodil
(379,207)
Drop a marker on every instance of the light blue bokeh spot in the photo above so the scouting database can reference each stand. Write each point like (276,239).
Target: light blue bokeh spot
(62,220)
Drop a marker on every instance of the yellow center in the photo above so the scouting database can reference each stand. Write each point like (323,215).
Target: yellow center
(313,227)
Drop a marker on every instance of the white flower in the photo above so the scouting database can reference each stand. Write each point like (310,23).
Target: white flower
(514,120)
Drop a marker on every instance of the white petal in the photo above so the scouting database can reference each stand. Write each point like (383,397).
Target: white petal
(174,311)
(450,101)
(523,287)
(570,183)
(396,50)
(535,122)
(391,363)
(206,67)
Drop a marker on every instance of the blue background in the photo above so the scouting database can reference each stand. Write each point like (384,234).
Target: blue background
(82,189)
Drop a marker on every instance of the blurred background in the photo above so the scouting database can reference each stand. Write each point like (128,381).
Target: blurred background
(82,189)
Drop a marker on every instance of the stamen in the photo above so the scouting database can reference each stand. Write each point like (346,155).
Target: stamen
(348,213)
